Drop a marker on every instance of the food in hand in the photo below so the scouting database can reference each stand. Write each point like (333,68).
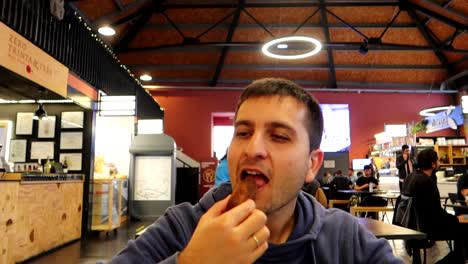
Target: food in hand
(246,189)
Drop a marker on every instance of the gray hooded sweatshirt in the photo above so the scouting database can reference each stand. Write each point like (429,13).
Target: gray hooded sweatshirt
(319,236)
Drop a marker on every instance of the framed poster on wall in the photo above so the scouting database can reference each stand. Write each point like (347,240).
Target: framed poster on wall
(18,150)
(42,150)
(73,119)
(73,160)
(46,128)
(71,140)
(24,123)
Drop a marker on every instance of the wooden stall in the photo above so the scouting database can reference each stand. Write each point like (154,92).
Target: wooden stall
(36,216)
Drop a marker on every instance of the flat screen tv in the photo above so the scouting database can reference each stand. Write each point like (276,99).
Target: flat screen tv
(336,131)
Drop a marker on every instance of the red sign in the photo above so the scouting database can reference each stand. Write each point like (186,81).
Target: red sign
(208,174)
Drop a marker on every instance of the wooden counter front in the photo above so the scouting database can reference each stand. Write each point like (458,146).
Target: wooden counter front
(37,217)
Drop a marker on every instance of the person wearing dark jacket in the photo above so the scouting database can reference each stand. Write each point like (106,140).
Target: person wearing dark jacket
(405,165)
(421,185)
(277,132)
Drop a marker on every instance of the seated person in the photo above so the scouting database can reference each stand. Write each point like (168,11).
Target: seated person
(363,183)
(340,182)
(462,192)
(313,188)
(433,219)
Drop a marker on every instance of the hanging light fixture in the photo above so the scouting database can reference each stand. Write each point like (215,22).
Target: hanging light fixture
(40,113)
(283,44)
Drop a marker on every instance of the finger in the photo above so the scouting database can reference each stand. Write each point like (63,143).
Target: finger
(260,237)
(238,214)
(255,221)
(218,208)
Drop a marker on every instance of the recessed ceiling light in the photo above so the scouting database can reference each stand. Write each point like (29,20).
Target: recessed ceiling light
(146,77)
(316,43)
(106,31)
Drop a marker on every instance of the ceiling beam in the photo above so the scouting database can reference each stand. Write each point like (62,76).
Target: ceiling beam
(254,46)
(354,87)
(285,4)
(129,36)
(224,51)
(119,4)
(283,25)
(150,67)
(435,15)
(326,32)
(443,60)
(106,19)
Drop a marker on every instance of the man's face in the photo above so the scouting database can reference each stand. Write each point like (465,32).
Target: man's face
(367,172)
(406,151)
(350,173)
(271,142)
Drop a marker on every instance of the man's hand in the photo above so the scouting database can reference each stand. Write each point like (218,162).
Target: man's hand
(236,236)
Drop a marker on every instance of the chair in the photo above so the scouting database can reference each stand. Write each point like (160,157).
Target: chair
(405,215)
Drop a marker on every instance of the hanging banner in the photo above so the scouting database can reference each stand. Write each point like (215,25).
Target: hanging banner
(446,119)
(19,55)
(208,174)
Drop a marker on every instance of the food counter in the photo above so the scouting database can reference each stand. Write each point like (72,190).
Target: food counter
(38,212)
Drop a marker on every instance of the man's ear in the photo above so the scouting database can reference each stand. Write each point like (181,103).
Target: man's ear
(315,162)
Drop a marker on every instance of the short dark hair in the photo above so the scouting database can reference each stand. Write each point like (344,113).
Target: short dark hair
(367,167)
(282,87)
(404,147)
(425,158)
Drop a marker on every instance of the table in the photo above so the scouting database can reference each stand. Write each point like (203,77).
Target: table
(463,219)
(389,231)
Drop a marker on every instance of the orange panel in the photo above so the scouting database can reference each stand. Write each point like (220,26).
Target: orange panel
(256,57)
(367,15)
(409,36)
(460,6)
(258,34)
(444,12)
(453,56)
(461,42)
(392,76)
(89,8)
(462,66)
(289,15)
(161,58)
(199,16)
(386,57)
(312,75)
(441,30)
(177,73)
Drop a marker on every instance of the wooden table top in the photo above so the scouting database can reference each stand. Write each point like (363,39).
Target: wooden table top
(383,230)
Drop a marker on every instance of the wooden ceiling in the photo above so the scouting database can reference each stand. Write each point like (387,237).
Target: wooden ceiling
(412,45)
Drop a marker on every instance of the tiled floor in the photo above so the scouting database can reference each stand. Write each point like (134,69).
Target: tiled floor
(100,249)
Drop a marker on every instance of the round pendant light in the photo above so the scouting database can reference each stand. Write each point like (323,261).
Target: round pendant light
(283,42)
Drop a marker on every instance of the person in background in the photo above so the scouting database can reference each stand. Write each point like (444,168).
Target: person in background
(462,193)
(404,164)
(353,178)
(326,178)
(222,172)
(374,169)
(421,185)
(313,188)
(363,183)
(279,147)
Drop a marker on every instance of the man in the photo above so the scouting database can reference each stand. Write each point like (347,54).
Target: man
(278,129)
(363,183)
(404,164)
(374,169)
(433,219)
(462,193)
(353,178)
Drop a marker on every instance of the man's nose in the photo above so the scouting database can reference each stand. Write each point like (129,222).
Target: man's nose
(256,147)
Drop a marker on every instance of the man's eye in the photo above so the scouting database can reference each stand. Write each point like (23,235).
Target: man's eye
(279,137)
(242,133)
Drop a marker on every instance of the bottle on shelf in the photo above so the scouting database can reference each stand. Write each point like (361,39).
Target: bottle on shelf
(65,166)
(47,166)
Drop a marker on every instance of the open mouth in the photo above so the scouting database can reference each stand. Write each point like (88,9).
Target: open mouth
(259,177)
